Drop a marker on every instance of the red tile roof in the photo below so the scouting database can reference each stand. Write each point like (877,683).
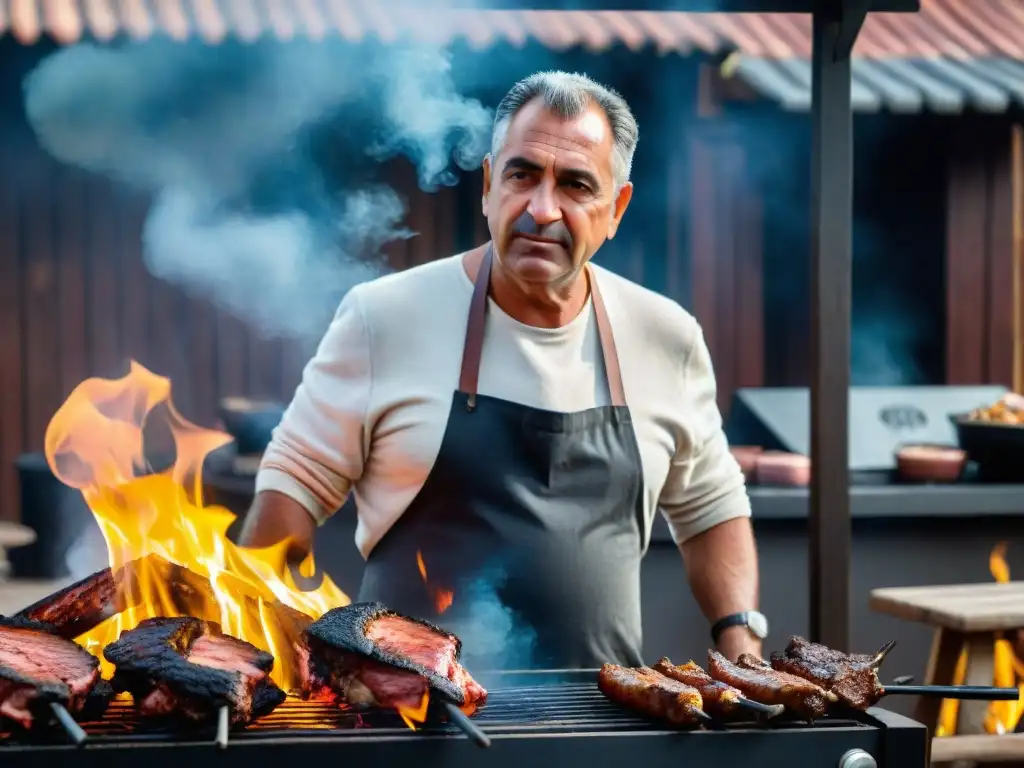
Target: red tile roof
(958,29)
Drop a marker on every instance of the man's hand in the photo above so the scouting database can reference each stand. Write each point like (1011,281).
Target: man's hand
(273,518)
(736,640)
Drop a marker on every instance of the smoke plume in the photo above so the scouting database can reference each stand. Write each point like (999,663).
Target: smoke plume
(262,161)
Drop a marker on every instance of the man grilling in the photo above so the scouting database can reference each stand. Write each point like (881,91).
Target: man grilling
(511,418)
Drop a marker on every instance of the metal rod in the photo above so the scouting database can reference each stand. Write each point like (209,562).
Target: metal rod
(961,692)
(881,653)
(467,726)
(67,722)
(831,290)
(768,710)
(223,720)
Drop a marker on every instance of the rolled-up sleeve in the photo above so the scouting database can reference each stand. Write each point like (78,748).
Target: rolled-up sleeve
(705,486)
(318,451)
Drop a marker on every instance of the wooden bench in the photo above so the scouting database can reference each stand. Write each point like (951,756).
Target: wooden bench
(965,616)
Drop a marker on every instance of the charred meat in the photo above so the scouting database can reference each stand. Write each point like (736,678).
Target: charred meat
(187,667)
(852,678)
(756,680)
(720,699)
(364,655)
(651,693)
(39,668)
(84,605)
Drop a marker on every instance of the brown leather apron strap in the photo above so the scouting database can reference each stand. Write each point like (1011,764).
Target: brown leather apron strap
(472,353)
(604,332)
(473,350)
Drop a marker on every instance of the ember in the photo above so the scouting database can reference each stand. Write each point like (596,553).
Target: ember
(95,443)
(442,597)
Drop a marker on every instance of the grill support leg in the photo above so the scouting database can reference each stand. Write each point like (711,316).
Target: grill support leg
(835,29)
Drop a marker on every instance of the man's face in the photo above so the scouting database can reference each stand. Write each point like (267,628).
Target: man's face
(549,195)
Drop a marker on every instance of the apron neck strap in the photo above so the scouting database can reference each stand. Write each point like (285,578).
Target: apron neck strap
(472,353)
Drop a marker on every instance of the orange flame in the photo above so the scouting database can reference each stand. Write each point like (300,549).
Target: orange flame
(443,598)
(1002,716)
(95,443)
(413,716)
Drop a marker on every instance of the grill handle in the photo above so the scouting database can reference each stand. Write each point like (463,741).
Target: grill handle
(963,692)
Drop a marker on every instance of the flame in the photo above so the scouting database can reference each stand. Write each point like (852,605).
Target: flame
(1002,716)
(414,716)
(443,598)
(95,443)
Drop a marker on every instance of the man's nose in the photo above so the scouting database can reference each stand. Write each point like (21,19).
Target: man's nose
(543,206)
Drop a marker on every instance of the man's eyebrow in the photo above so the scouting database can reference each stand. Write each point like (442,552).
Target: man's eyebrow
(581,174)
(519,163)
(522,164)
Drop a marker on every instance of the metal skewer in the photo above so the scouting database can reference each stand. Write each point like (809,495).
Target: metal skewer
(962,692)
(67,722)
(222,727)
(467,726)
(768,710)
(881,653)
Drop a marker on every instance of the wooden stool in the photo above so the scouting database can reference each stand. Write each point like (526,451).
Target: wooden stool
(964,616)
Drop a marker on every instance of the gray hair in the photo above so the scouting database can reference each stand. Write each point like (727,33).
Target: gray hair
(568,96)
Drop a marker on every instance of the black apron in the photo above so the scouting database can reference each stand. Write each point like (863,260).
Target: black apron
(531,523)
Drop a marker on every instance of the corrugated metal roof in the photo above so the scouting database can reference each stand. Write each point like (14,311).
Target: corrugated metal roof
(952,55)
(947,86)
(960,29)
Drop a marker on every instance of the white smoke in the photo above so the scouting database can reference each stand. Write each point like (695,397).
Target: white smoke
(261,160)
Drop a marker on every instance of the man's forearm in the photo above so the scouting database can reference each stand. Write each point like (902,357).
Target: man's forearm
(721,564)
(275,517)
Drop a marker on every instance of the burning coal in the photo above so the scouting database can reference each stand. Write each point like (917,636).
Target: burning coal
(262,160)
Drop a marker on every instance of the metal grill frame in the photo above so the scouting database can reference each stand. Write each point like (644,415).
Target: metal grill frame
(592,732)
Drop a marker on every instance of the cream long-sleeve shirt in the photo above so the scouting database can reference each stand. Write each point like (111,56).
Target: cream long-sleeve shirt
(371,410)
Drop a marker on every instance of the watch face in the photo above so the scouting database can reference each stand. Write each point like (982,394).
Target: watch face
(758,624)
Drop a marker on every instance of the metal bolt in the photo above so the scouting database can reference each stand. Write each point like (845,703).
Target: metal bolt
(857,758)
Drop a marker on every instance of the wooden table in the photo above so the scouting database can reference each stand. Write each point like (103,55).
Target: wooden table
(964,616)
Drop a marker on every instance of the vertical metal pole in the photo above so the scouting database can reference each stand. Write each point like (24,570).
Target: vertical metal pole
(831,286)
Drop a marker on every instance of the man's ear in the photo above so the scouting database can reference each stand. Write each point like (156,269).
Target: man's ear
(621,204)
(487,183)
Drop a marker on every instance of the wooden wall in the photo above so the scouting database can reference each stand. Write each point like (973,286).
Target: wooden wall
(77,301)
(726,233)
(984,253)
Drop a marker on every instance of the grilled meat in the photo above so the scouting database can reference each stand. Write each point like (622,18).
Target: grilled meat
(364,655)
(756,680)
(39,668)
(652,694)
(720,700)
(84,605)
(187,667)
(852,678)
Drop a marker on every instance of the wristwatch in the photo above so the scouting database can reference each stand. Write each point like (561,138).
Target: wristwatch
(754,621)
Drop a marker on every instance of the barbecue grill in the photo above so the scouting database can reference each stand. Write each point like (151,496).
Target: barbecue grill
(534,718)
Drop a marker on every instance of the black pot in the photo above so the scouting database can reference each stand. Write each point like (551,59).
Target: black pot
(59,516)
(250,422)
(997,449)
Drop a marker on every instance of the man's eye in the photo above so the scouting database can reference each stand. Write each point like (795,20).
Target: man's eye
(579,186)
(517,175)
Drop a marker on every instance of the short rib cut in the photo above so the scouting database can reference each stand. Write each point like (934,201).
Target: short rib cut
(187,667)
(364,655)
(38,667)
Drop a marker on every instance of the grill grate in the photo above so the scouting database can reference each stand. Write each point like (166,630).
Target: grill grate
(539,709)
